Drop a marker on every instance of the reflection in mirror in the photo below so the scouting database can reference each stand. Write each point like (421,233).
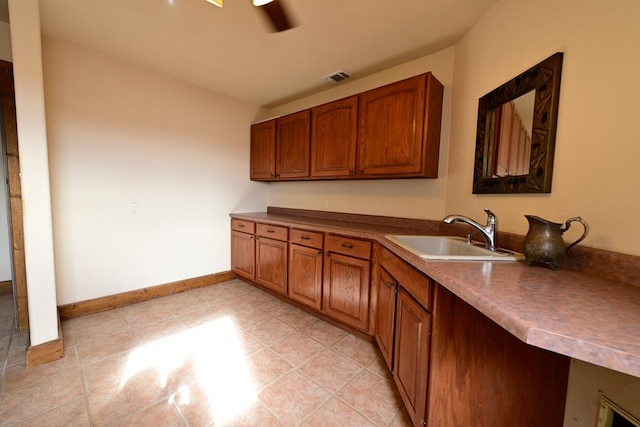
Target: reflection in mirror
(508,135)
(515,139)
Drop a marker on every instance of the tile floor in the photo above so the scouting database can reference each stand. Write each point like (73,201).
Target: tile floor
(225,355)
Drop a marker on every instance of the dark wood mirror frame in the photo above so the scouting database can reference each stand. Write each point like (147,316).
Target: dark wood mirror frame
(544,78)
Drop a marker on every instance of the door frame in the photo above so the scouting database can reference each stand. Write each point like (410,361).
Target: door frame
(14,191)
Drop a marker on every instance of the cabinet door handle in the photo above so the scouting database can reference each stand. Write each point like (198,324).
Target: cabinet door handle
(390,284)
(305,237)
(347,245)
(319,252)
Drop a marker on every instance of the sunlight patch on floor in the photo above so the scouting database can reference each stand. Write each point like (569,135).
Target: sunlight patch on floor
(220,365)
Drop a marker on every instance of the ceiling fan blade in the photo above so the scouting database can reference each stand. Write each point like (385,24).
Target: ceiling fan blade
(276,14)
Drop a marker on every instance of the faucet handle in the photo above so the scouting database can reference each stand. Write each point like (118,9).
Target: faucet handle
(491,217)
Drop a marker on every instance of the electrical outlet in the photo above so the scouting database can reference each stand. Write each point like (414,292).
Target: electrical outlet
(325,204)
(134,208)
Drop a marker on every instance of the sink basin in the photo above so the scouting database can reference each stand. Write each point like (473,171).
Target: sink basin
(451,248)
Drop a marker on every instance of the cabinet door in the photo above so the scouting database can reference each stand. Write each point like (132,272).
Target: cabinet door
(413,328)
(305,275)
(263,150)
(271,264)
(242,254)
(385,315)
(333,138)
(292,145)
(390,125)
(346,289)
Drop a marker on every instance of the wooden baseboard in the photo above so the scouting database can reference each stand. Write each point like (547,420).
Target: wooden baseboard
(6,287)
(46,352)
(83,308)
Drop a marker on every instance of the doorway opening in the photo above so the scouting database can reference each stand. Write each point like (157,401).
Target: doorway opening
(11,162)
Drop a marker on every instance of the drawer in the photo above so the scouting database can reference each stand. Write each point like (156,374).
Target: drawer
(272,231)
(311,239)
(348,246)
(243,226)
(413,281)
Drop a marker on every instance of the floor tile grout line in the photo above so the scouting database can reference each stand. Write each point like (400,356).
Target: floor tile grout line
(336,394)
(256,305)
(85,392)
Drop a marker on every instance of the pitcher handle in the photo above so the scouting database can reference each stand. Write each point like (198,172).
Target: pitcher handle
(568,224)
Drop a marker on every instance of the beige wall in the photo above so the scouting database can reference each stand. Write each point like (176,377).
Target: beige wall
(5,42)
(34,170)
(597,145)
(120,134)
(415,198)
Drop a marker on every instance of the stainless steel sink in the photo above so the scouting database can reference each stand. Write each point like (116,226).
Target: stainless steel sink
(451,248)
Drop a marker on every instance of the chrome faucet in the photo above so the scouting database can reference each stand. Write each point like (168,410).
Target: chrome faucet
(488,231)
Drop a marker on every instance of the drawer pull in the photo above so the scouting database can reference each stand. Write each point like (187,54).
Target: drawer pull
(240,225)
(347,245)
(270,231)
(305,238)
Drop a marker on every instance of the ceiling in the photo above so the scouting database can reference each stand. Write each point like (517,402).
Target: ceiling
(231,50)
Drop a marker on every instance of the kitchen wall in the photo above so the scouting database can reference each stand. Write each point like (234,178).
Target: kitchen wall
(145,170)
(594,174)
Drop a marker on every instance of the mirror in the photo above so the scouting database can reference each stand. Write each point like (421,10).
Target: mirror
(516,132)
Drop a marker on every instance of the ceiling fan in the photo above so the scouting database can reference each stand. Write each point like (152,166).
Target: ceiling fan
(274,11)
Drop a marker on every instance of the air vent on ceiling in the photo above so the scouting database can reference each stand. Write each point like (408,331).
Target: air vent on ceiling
(338,76)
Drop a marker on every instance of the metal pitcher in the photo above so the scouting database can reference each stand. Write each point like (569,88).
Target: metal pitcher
(543,243)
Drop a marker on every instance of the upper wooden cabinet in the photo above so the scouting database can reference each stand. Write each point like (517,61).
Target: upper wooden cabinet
(263,151)
(399,129)
(333,138)
(292,145)
(389,132)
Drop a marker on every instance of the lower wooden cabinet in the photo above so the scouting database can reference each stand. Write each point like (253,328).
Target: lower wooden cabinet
(271,264)
(403,330)
(305,275)
(411,358)
(259,258)
(385,314)
(453,366)
(346,289)
(243,254)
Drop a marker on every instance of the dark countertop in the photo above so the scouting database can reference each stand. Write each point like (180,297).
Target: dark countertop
(567,312)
